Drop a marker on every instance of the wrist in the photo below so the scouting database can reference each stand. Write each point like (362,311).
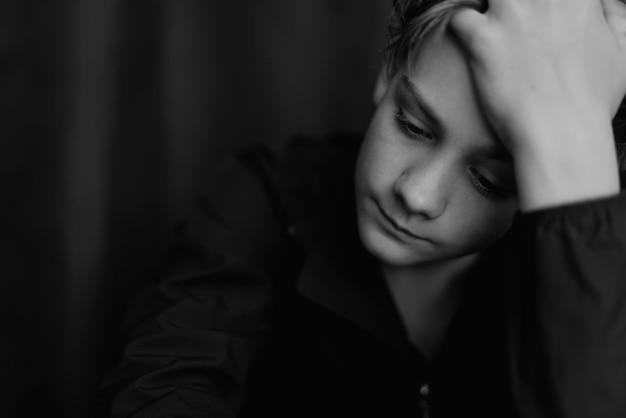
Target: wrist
(563,159)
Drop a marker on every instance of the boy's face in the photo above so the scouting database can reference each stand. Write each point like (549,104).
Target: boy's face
(432,181)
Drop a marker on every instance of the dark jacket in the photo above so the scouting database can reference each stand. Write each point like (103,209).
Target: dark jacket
(275,310)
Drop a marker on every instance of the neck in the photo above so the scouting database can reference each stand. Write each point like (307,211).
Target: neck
(426,296)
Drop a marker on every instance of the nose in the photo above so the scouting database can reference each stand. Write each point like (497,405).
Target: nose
(423,189)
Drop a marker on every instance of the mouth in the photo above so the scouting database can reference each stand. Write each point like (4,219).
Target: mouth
(397,227)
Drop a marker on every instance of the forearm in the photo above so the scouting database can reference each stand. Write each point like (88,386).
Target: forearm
(568,270)
(190,340)
(550,76)
(564,156)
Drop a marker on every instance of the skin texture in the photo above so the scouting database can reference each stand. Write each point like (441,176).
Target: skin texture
(543,78)
(538,78)
(550,75)
(428,185)
(434,182)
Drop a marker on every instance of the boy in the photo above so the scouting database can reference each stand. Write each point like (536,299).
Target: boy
(484,271)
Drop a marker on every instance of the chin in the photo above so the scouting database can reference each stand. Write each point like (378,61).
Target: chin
(389,251)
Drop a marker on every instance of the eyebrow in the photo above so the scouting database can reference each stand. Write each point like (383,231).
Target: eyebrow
(407,86)
(494,151)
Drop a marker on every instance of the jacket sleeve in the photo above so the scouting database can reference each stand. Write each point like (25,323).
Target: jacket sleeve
(191,338)
(568,311)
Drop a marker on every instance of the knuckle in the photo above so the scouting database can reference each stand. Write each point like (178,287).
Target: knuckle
(479,38)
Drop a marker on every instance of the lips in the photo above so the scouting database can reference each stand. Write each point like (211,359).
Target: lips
(397,226)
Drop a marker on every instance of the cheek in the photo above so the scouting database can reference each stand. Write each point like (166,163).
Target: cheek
(381,156)
(485,222)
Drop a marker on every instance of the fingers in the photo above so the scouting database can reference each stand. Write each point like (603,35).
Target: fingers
(467,22)
(615,16)
(470,27)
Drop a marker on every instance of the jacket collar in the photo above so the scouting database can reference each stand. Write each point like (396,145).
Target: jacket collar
(343,278)
(348,282)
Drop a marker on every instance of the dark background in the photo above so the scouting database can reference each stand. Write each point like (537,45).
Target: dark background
(113,114)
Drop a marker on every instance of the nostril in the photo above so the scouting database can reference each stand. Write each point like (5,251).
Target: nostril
(421,190)
(425,202)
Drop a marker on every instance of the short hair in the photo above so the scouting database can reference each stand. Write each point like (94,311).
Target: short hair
(412,20)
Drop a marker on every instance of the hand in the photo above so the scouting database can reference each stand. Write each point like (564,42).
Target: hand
(550,75)
(530,56)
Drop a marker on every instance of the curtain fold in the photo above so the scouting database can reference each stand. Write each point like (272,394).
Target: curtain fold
(113,114)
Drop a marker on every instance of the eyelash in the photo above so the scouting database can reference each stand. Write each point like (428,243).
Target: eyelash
(485,187)
(409,129)
(480,182)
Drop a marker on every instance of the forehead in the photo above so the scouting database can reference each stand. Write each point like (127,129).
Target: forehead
(440,74)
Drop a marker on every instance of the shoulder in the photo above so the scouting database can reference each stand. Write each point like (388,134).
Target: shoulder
(335,148)
(301,161)
(316,179)
(259,192)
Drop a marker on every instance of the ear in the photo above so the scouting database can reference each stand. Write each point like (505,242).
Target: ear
(382,84)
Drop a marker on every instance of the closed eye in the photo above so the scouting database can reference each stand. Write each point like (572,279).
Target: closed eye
(410,129)
(486,187)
